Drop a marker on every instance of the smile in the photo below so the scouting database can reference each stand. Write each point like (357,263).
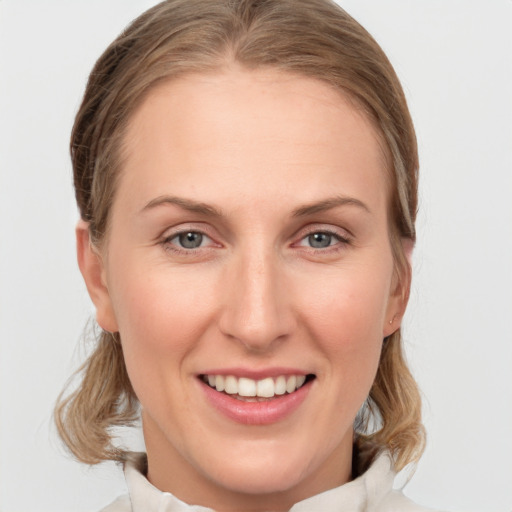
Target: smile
(261,401)
(251,390)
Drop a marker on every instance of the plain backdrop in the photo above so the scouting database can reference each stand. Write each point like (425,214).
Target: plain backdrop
(454,59)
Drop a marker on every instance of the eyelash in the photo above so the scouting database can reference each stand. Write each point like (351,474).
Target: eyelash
(342,241)
(168,244)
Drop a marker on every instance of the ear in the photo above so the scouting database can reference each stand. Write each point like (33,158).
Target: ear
(400,290)
(93,271)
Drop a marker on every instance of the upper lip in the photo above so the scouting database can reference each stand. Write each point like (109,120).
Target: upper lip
(255,374)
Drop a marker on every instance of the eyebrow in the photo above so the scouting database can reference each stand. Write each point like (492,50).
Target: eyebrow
(328,204)
(303,211)
(185,204)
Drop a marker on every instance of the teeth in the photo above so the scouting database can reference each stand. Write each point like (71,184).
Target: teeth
(264,388)
(280,386)
(291,384)
(231,385)
(219,382)
(246,387)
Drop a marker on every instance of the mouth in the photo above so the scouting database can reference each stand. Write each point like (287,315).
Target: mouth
(251,390)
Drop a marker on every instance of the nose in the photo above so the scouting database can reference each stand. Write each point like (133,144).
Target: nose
(257,310)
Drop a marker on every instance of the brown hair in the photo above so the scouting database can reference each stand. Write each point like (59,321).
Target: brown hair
(315,38)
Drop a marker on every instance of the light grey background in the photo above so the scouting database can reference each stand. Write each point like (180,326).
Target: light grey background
(454,58)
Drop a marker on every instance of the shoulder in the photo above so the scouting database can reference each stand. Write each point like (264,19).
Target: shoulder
(121,504)
(395,501)
(380,495)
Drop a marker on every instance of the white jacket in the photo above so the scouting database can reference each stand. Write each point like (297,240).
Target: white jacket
(371,492)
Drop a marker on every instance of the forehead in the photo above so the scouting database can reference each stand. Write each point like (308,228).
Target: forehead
(246,127)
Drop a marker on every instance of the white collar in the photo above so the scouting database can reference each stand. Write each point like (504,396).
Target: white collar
(359,495)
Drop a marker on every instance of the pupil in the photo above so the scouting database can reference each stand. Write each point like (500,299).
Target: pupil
(191,240)
(319,240)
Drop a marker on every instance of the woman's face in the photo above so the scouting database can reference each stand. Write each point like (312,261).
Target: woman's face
(248,250)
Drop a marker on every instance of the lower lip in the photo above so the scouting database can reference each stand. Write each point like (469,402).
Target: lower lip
(256,413)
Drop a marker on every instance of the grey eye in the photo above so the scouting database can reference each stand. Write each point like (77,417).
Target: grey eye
(320,240)
(190,240)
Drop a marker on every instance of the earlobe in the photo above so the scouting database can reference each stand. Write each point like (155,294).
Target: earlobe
(392,325)
(91,266)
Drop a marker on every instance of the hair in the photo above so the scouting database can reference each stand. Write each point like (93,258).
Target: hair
(312,38)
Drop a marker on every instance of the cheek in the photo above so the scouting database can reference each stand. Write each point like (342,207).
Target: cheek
(158,307)
(161,319)
(353,303)
(346,316)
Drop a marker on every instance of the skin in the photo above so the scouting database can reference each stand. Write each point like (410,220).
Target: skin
(260,148)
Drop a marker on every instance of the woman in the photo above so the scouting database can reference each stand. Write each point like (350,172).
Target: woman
(246,174)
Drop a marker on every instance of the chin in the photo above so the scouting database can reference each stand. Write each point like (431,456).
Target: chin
(274,466)
(261,480)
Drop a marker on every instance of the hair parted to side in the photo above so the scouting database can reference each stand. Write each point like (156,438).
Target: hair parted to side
(313,38)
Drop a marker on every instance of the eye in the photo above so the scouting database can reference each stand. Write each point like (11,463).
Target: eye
(321,240)
(189,240)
